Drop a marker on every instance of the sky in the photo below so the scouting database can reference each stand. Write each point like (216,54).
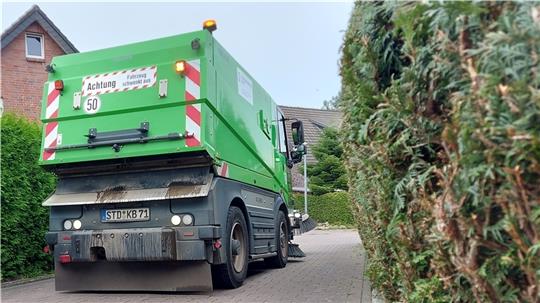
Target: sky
(291,49)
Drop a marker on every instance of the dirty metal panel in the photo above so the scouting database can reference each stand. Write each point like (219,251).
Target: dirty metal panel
(258,200)
(124,196)
(135,187)
(149,244)
(143,179)
(191,250)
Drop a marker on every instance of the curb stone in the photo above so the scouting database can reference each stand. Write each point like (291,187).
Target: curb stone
(26,280)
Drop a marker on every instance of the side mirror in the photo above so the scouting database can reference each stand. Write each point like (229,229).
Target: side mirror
(298,152)
(297,133)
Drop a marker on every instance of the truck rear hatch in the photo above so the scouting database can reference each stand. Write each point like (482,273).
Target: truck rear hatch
(135,100)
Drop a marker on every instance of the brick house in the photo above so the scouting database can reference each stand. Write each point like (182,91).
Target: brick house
(314,121)
(28,45)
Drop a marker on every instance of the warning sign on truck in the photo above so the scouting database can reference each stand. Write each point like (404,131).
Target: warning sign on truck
(119,81)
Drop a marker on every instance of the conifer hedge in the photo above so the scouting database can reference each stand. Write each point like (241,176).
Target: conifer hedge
(25,186)
(333,208)
(441,105)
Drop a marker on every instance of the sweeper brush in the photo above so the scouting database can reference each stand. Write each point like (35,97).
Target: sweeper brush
(301,224)
(307,224)
(295,251)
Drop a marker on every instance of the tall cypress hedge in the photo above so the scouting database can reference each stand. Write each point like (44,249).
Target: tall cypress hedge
(441,105)
(333,208)
(24,187)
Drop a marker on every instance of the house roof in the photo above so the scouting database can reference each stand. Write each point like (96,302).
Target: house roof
(35,14)
(314,121)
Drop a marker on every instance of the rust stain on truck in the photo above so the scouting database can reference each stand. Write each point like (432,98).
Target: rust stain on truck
(111,194)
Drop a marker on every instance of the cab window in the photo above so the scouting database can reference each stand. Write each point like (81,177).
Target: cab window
(282,136)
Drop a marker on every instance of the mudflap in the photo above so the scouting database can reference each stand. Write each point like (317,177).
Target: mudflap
(134,276)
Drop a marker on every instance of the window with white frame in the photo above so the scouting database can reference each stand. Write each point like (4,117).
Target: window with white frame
(282,135)
(34,46)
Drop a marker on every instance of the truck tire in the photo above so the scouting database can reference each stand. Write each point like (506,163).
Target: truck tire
(233,273)
(282,238)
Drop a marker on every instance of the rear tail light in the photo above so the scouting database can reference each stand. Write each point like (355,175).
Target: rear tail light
(64,259)
(59,85)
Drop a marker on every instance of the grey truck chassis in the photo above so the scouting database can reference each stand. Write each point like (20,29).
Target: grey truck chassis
(154,254)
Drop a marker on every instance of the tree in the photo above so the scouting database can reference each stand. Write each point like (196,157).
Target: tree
(328,174)
(332,104)
(441,132)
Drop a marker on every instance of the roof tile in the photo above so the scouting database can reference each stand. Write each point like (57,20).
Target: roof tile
(314,121)
(35,14)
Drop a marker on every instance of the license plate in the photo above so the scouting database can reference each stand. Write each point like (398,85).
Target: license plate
(125,215)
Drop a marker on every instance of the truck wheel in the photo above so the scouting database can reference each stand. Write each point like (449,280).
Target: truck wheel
(282,237)
(233,273)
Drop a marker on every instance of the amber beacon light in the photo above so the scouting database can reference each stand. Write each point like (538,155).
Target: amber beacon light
(210,25)
(180,67)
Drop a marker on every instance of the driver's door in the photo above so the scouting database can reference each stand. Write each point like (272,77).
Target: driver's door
(282,153)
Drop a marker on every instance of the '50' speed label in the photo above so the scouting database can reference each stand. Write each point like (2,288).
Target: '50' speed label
(92,105)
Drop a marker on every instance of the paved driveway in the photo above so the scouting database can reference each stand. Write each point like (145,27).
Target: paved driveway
(331,272)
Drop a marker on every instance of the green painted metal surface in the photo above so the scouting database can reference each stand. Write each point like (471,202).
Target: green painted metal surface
(238,120)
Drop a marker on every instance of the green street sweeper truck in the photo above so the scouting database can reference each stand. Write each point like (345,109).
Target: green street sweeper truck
(172,165)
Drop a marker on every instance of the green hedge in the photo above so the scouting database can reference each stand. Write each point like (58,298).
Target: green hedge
(441,104)
(24,187)
(333,208)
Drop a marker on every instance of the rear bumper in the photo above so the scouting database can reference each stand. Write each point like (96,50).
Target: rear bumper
(190,243)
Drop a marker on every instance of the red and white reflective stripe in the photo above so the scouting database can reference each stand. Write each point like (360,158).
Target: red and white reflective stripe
(193,111)
(53,102)
(51,137)
(223,170)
